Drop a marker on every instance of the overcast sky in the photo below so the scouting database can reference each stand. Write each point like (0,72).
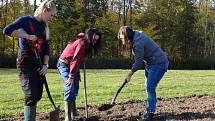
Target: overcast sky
(32,2)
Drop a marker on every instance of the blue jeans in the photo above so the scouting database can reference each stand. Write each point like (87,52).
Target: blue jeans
(70,92)
(153,75)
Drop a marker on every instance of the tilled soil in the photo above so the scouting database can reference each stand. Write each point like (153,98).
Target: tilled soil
(192,108)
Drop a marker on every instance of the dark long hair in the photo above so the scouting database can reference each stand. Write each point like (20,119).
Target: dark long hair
(92,48)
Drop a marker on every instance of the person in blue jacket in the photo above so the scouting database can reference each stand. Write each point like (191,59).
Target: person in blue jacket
(146,52)
(32,31)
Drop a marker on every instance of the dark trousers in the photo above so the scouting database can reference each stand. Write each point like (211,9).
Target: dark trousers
(31,84)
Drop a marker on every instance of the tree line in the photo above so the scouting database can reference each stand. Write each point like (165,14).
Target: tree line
(184,29)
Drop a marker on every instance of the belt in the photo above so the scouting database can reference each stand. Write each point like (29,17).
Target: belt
(63,61)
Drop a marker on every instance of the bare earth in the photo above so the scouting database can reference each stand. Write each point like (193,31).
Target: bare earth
(192,108)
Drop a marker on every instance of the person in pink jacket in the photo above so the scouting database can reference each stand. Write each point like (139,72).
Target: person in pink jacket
(68,66)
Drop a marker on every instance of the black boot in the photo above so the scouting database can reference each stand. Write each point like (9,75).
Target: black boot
(74,114)
(74,110)
(148,117)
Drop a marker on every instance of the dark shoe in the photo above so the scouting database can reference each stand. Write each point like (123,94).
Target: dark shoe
(148,117)
(74,110)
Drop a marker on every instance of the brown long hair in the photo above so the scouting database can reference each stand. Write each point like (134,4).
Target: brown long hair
(128,34)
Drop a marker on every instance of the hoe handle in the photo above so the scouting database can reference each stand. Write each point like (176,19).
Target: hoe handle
(118,91)
(85,91)
(48,92)
(44,77)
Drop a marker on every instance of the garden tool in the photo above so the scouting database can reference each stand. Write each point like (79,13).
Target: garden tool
(108,106)
(85,91)
(118,91)
(54,114)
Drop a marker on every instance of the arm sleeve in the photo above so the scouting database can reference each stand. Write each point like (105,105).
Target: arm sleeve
(138,58)
(46,48)
(79,51)
(13,26)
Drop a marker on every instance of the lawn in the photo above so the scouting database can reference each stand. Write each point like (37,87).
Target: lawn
(101,86)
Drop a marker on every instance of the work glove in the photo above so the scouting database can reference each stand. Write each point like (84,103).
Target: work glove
(31,37)
(23,34)
(128,76)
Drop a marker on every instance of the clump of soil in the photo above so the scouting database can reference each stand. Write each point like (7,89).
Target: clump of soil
(192,108)
(105,107)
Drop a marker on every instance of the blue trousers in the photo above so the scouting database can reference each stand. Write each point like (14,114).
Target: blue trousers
(70,92)
(153,75)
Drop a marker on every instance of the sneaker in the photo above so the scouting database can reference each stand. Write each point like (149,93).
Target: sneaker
(148,117)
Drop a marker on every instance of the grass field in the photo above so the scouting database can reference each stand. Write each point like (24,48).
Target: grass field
(101,85)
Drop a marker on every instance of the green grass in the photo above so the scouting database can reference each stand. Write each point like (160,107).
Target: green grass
(101,86)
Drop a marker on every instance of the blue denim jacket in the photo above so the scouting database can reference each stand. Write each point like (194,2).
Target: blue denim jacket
(146,51)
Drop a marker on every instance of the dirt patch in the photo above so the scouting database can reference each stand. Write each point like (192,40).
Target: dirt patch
(192,108)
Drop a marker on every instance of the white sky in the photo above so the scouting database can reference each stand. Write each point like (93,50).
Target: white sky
(32,2)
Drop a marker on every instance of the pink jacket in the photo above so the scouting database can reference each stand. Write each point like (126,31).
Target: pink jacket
(73,54)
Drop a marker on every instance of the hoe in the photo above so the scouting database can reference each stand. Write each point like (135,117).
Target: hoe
(108,106)
(54,114)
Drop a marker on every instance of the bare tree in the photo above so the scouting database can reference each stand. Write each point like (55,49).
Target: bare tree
(5,23)
(206,24)
(35,4)
(26,6)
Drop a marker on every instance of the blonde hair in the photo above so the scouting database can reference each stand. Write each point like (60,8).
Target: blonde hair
(47,5)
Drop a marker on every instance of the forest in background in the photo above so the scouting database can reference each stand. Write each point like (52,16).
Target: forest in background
(184,29)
